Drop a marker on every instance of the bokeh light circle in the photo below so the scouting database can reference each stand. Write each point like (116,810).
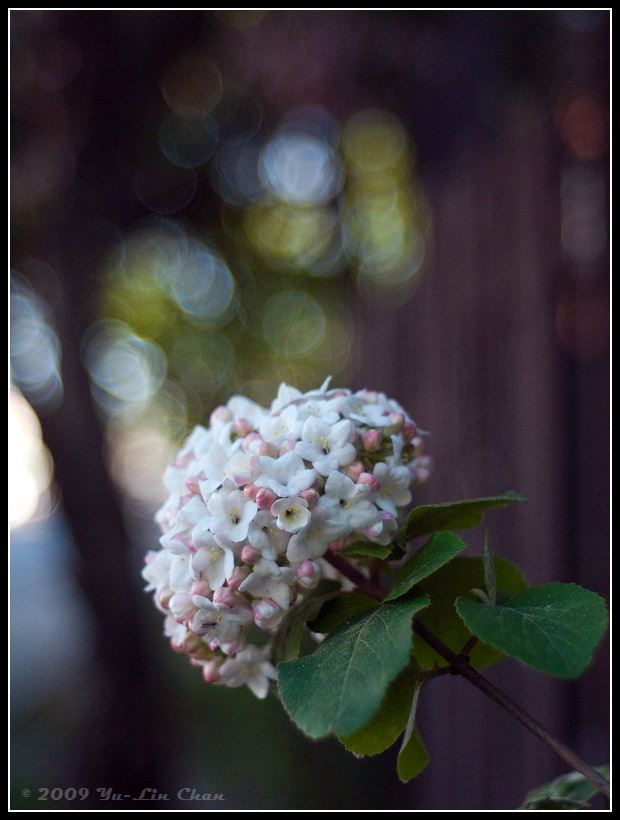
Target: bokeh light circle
(125,368)
(300,168)
(203,285)
(294,323)
(374,140)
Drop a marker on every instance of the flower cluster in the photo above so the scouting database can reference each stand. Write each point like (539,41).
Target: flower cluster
(257,499)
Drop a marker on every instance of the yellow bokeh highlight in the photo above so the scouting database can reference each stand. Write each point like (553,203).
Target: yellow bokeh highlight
(374,141)
(289,234)
(294,323)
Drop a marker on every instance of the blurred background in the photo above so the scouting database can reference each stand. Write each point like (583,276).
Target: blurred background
(211,202)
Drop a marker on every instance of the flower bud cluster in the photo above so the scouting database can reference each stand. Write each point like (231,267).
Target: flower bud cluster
(256,500)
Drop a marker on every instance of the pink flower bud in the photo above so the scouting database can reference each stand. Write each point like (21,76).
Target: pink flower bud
(201,588)
(308,574)
(372,441)
(249,555)
(265,498)
(409,431)
(286,446)
(239,574)
(354,470)
(373,483)
(184,459)
(242,428)
(182,606)
(319,481)
(192,643)
(211,671)
(192,485)
(306,569)
(417,442)
(267,448)
(338,545)
(249,491)
(311,497)
(220,413)
(419,476)
(266,613)
(163,599)
(264,609)
(397,422)
(231,647)
(249,440)
(224,595)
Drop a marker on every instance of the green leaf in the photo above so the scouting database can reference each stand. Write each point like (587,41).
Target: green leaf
(340,686)
(458,577)
(367,548)
(451,515)
(555,803)
(345,607)
(553,628)
(389,720)
(489,571)
(287,639)
(412,758)
(440,548)
(571,787)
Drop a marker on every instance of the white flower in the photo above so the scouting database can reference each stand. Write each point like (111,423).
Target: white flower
(213,467)
(256,499)
(394,491)
(242,467)
(370,414)
(156,570)
(266,536)
(349,503)
(249,667)
(175,631)
(292,513)
(327,446)
(278,428)
(213,562)
(286,394)
(181,572)
(268,580)
(383,530)
(192,512)
(232,514)
(242,408)
(217,621)
(176,540)
(326,410)
(311,542)
(286,475)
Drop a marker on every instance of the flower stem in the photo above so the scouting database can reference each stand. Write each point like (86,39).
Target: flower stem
(363,584)
(459,665)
